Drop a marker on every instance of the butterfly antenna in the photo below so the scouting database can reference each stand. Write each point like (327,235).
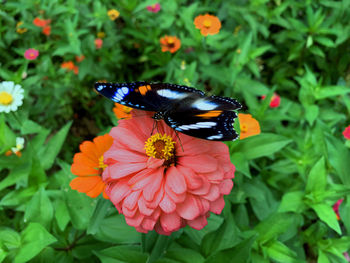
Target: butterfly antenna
(154,126)
(179,140)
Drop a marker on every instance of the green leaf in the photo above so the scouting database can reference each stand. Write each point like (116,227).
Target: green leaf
(80,208)
(330,91)
(280,252)
(161,245)
(237,254)
(317,179)
(241,163)
(18,197)
(322,257)
(18,173)
(7,137)
(309,41)
(327,215)
(317,51)
(39,209)
(184,255)
(29,127)
(264,144)
(261,198)
(274,226)
(130,254)
(61,214)
(311,113)
(50,151)
(325,41)
(339,157)
(226,236)
(9,238)
(34,238)
(101,210)
(292,202)
(114,229)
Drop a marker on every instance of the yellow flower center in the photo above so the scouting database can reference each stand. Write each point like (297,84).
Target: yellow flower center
(160,147)
(154,6)
(243,127)
(5,98)
(101,164)
(207,23)
(171,40)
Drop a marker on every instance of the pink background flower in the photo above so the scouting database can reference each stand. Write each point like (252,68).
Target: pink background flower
(336,208)
(31,54)
(275,100)
(346,133)
(160,194)
(98,43)
(154,8)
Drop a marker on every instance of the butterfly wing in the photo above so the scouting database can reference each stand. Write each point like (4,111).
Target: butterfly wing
(209,118)
(146,96)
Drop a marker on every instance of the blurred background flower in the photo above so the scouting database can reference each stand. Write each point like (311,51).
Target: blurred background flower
(11,96)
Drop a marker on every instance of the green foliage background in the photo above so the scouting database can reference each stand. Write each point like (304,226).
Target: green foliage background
(287,178)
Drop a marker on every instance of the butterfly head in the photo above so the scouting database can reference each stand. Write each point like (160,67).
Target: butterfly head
(159,115)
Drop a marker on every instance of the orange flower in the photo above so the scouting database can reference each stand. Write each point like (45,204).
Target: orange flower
(88,165)
(79,58)
(121,111)
(248,125)
(44,23)
(170,43)
(47,30)
(208,24)
(69,65)
(113,14)
(41,22)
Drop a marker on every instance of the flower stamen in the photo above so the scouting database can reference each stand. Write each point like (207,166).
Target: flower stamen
(101,164)
(244,128)
(207,23)
(5,98)
(161,147)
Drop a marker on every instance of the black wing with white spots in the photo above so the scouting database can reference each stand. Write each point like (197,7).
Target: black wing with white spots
(185,109)
(145,96)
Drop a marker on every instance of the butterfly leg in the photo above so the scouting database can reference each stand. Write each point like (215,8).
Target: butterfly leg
(179,140)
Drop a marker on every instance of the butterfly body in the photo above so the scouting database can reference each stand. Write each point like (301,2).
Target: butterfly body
(183,108)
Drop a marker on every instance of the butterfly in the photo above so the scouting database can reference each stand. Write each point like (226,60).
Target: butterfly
(185,109)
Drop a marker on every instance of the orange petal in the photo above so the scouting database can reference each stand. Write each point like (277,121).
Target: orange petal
(97,190)
(87,184)
(103,143)
(85,160)
(105,196)
(89,149)
(83,170)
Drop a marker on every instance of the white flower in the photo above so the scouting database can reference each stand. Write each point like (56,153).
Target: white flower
(19,145)
(11,96)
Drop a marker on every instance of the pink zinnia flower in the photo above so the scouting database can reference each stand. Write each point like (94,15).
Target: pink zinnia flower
(336,208)
(154,8)
(31,54)
(158,185)
(275,100)
(346,255)
(98,43)
(346,133)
